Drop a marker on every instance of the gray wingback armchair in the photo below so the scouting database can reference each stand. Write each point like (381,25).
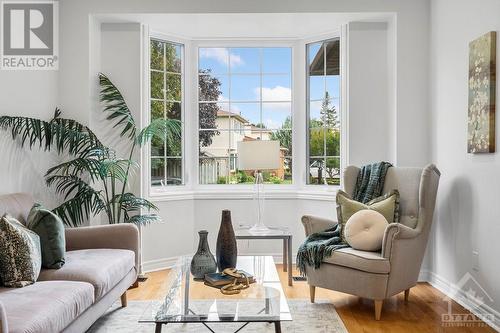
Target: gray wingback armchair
(380,275)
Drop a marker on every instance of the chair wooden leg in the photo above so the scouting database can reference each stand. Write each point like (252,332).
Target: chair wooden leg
(378,309)
(123,298)
(407,295)
(312,292)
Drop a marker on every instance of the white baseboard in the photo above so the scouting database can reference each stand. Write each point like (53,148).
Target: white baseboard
(166,263)
(459,296)
(158,264)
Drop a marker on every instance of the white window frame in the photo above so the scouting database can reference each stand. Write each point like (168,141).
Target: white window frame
(242,44)
(299,189)
(344,116)
(146,117)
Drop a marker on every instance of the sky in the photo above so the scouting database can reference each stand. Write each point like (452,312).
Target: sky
(243,87)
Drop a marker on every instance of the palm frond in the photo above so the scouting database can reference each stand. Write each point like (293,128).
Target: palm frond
(84,202)
(130,203)
(116,107)
(77,210)
(143,219)
(67,185)
(58,133)
(116,169)
(91,141)
(76,167)
(169,129)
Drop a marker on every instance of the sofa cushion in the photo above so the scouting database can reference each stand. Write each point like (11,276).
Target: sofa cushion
(103,268)
(20,259)
(371,262)
(50,228)
(45,307)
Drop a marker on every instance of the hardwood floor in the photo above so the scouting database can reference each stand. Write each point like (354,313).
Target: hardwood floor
(421,314)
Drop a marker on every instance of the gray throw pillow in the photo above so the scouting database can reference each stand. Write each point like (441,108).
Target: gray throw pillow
(21,259)
(50,228)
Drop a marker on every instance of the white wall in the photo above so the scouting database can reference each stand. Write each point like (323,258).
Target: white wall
(30,94)
(369,115)
(467,217)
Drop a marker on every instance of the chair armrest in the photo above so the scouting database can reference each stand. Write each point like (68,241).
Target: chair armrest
(3,320)
(123,236)
(314,224)
(393,232)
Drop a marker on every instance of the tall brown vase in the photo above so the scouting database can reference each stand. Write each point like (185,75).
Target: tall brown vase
(226,251)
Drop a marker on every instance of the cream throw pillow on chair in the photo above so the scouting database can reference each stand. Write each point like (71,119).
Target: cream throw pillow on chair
(365,230)
(387,205)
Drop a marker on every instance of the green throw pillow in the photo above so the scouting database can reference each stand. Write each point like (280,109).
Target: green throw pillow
(387,205)
(50,228)
(20,259)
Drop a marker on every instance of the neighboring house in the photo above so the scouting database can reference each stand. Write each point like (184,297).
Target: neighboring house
(233,128)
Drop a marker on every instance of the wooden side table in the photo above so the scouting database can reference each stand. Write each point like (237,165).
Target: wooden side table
(274,233)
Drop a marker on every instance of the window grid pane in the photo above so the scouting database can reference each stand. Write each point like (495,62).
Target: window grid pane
(241,98)
(323,112)
(166,103)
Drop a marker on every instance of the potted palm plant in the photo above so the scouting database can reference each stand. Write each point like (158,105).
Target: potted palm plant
(93,179)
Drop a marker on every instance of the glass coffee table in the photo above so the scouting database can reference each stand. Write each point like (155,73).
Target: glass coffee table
(188,301)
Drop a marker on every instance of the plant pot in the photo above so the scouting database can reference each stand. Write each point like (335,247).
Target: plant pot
(227,251)
(203,261)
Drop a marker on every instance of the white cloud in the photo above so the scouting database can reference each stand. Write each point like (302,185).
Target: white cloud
(275,94)
(221,56)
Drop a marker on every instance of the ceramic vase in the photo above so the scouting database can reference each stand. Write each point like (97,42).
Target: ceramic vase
(227,251)
(203,261)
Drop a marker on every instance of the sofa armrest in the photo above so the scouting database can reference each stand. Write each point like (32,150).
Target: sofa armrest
(393,233)
(314,224)
(114,236)
(3,320)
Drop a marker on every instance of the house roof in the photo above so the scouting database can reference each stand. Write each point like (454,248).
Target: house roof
(317,66)
(223,114)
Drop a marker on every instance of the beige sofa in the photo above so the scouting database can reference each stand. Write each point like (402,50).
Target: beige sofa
(101,264)
(380,275)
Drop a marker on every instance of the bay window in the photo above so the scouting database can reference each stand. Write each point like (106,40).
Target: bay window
(244,94)
(323,96)
(166,86)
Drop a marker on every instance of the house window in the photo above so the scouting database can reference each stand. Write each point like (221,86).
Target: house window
(243,94)
(323,97)
(166,82)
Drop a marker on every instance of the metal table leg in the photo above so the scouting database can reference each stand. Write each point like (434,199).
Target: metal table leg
(277,327)
(158,328)
(289,250)
(285,255)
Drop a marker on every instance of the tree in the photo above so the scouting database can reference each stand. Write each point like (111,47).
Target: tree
(167,105)
(319,139)
(259,125)
(284,136)
(328,113)
(209,91)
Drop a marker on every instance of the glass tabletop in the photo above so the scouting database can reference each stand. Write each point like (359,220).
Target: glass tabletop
(189,301)
(244,230)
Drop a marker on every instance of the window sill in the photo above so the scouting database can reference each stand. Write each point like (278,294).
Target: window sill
(327,194)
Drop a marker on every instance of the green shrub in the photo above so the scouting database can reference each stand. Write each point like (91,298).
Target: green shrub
(275,180)
(221,180)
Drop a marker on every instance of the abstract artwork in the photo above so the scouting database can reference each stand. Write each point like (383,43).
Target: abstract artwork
(482,89)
